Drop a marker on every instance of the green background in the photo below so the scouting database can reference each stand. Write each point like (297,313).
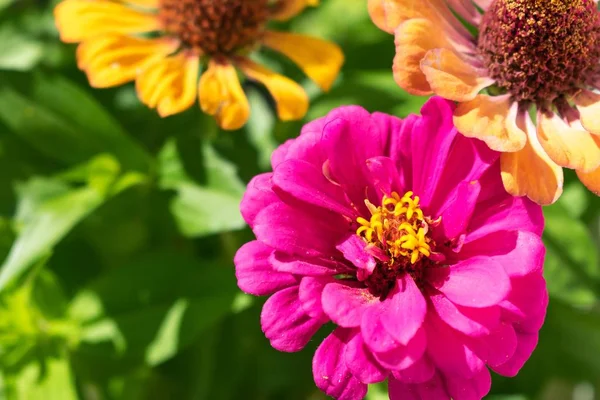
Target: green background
(118,228)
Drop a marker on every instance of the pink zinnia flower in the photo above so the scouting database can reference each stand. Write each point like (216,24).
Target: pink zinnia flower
(400,233)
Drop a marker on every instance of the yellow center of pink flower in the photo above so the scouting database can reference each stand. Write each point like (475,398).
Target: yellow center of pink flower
(541,50)
(397,227)
(215,27)
(400,232)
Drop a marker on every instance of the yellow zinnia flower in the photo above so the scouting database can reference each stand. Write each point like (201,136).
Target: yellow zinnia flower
(524,84)
(163,44)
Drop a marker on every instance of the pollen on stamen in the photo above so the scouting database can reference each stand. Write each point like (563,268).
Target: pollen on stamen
(397,227)
(541,50)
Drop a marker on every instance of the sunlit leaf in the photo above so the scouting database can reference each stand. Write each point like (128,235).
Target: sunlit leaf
(50,207)
(202,210)
(17,51)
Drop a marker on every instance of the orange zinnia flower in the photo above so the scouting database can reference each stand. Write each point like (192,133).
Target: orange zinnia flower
(530,57)
(162,45)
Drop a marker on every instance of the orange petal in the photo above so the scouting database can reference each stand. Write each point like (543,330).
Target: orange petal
(385,14)
(389,14)
(485,118)
(319,59)
(451,77)
(111,60)
(291,99)
(170,85)
(222,96)
(78,20)
(414,39)
(286,9)
(591,180)
(588,105)
(568,146)
(529,171)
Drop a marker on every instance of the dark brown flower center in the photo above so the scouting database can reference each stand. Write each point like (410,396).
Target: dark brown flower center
(215,27)
(540,50)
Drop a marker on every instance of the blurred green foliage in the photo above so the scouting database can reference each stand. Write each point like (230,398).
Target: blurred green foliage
(118,229)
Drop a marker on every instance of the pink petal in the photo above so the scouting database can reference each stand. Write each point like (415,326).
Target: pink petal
(361,363)
(285,323)
(351,137)
(293,264)
(459,209)
(307,146)
(405,310)
(468,160)
(433,389)
(449,351)
(330,372)
(431,145)
(383,175)
(279,155)
(519,252)
(402,391)
(478,282)
(474,388)
(527,302)
(307,183)
(421,371)
(401,357)
(470,321)
(353,249)
(376,337)
(509,214)
(304,232)
(259,194)
(400,139)
(526,343)
(254,273)
(309,293)
(498,347)
(345,305)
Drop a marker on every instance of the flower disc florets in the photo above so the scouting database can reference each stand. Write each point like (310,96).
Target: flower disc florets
(216,27)
(400,231)
(539,50)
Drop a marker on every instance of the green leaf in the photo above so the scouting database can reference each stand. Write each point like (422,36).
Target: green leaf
(207,209)
(52,381)
(65,123)
(154,307)
(48,208)
(571,267)
(17,51)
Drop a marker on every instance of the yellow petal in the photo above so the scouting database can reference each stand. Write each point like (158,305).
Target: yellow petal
(568,146)
(286,9)
(78,20)
(111,60)
(588,105)
(170,85)
(142,3)
(451,77)
(319,59)
(222,96)
(291,99)
(485,118)
(591,180)
(414,39)
(529,171)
